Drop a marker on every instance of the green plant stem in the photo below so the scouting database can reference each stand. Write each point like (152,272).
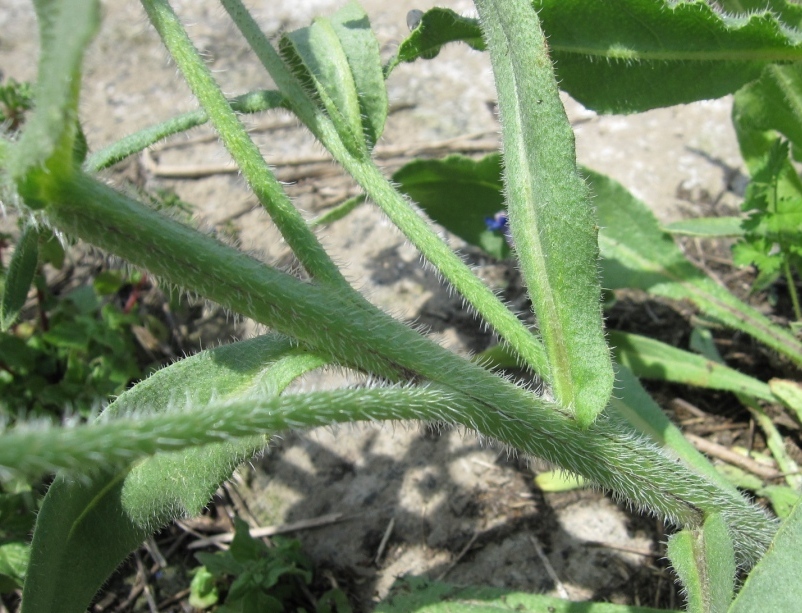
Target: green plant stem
(355,334)
(242,149)
(252,102)
(789,278)
(394,205)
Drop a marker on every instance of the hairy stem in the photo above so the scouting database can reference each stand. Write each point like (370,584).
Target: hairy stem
(242,149)
(395,206)
(358,335)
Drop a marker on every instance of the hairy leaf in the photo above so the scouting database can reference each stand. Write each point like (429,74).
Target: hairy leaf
(704,561)
(339,58)
(774,585)
(87,526)
(19,276)
(66,27)
(623,56)
(551,218)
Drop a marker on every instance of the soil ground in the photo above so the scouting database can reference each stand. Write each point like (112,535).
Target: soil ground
(450,506)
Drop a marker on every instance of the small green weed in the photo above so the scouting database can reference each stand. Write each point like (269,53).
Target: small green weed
(256,578)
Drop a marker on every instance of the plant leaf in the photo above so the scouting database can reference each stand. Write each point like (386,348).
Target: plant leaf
(437,27)
(19,276)
(707,227)
(770,105)
(87,527)
(339,57)
(773,585)
(637,254)
(651,359)
(459,193)
(704,560)
(420,595)
(551,219)
(65,27)
(790,394)
(624,56)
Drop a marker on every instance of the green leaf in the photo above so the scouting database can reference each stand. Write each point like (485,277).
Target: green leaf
(704,560)
(459,193)
(624,56)
(19,276)
(707,227)
(203,591)
(769,106)
(790,394)
(339,58)
(637,254)
(66,27)
(87,527)
(651,359)
(551,218)
(789,13)
(774,585)
(14,557)
(437,27)
(420,595)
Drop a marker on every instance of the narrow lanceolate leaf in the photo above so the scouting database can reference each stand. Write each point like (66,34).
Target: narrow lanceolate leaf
(66,27)
(651,359)
(339,57)
(637,254)
(774,583)
(19,276)
(707,227)
(551,218)
(703,559)
(624,56)
(87,527)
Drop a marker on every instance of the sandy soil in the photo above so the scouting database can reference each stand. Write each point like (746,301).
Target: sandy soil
(452,506)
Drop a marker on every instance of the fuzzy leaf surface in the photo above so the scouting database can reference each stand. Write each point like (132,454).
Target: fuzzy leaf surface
(773,585)
(19,277)
(339,58)
(551,218)
(65,27)
(704,561)
(87,527)
(625,56)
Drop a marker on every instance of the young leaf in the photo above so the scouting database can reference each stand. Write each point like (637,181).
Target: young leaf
(86,527)
(340,58)
(551,218)
(773,236)
(774,585)
(704,561)
(19,276)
